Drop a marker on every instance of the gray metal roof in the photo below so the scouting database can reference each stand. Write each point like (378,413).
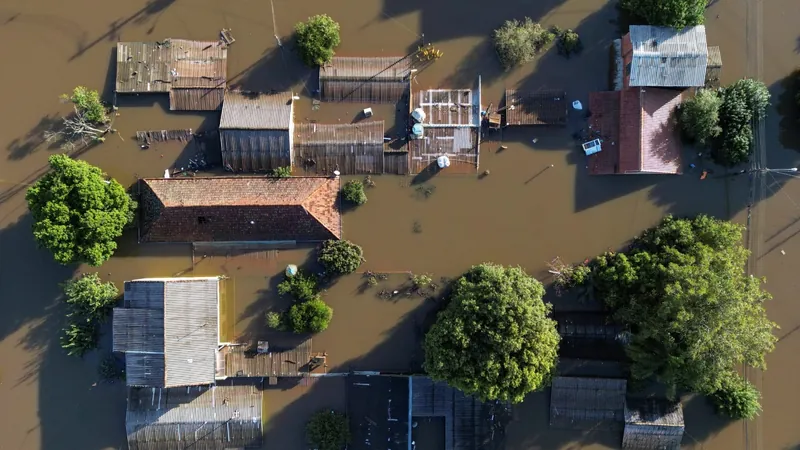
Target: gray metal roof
(256,111)
(587,403)
(204,418)
(169,330)
(668,57)
(652,424)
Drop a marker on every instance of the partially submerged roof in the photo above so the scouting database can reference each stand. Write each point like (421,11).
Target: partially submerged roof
(211,418)
(349,148)
(548,107)
(667,57)
(449,107)
(203,209)
(256,111)
(377,79)
(168,329)
(379,412)
(459,144)
(638,131)
(587,403)
(197,69)
(652,423)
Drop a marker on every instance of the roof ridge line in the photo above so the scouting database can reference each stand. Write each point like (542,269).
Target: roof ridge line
(319,220)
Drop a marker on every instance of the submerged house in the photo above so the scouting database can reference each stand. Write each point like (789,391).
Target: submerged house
(637,132)
(367,80)
(652,424)
(239,209)
(664,57)
(256,131)
(547,107)
(351,149)
(201,417)
(587,403)
(193,73)
(168,329)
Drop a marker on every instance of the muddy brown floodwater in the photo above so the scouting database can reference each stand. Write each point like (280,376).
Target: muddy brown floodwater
(520,214)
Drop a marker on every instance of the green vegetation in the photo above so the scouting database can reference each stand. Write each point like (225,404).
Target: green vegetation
(494,339)
(353,192)
(328,430)
(301,286)
(569,43)
(88,105)
(89,301)
(340,257)
(699,116)
(316,39)
(722,119)
(282,172)
(518,42)
(311,316)
(275,320)
(77,214)
(667,13)
(421,281)
(693,312)
(111,369)
(737,399)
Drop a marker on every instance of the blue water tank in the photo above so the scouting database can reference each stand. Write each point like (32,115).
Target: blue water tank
(417,130)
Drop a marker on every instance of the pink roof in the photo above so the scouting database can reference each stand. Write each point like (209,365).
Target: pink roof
(660,141)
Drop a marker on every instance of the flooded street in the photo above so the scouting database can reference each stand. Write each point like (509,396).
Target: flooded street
(524,213)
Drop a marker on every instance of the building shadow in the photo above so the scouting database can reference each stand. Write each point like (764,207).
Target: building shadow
(481,60)
(787,104)
(278,70)
(702,422)
(150,11)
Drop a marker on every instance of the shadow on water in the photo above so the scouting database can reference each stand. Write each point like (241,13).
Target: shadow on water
(788,108)
(278,70)
(483,60)
(70,406)
(152,9)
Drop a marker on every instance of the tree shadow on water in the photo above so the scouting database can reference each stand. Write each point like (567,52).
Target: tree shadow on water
(34,139)
(278,70)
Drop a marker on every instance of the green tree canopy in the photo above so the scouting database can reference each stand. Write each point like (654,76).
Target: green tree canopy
(89,301)
(353,192)
(737,399)
(340,257)
(312,316)
(301,286)
(494,339)
(693,312)
(316,39)
(699,116)
(742,102)
(518,42)
(328,430)
(88,105)
(77,213)
(667,13)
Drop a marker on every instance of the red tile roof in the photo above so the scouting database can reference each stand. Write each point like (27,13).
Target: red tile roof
(239,209)
(638,131)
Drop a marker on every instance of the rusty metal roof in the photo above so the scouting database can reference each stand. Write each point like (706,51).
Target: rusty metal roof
(195,99)
(394,68)
(547,107)
(256,111)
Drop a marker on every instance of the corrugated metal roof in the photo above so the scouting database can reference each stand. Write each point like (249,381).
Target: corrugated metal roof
(255,150)
(195,99)
(460,145)
(547,107)
(652,423)
(256,111)
(587,403)
(350,148)
(382,91)
(178,335)
(206,209)
(203,418)
(714,57)
(448,107)
(395,68)
(667,57)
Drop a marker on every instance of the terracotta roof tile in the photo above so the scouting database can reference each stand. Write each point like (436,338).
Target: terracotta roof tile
(630,128)
(660,141)
(605,121)
(240,209)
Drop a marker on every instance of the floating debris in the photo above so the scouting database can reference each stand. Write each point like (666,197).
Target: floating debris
(226,36)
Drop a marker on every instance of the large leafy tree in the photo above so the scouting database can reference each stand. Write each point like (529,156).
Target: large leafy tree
(77,213)
(693,312)
(328,430)
(89,301)
(494,339)
(699,116)
(743,101)
(667,13)
(316,39)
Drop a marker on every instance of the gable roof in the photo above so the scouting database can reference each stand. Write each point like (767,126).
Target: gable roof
(168,329)
(206,209)
(256,111)
(209,418)
(668,57)
(380,68)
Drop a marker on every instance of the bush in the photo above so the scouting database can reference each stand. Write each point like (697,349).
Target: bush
(353,192)
(312,316)
(316,39)
(743,101)
(89,301)
(699,116)
(301,286)
(274,320)
(88,105)
(737,399)
(518,42)
(421,281)
(340,257)
(282,172)
(569,43)
(77,213)
(328,430)
(80,337)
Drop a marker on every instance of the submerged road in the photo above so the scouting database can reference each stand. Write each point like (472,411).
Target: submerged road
(756,209)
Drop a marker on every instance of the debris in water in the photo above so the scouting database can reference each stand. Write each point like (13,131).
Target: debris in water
(783,252)
(226,36)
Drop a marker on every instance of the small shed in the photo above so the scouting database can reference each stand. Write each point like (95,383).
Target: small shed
(547,107)
(714,68)
(587,403)
(256,131)
(652,424)
(352,149)
(194,73)
(383,79)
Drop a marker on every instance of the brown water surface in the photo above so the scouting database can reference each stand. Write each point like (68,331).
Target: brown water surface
(523,213)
